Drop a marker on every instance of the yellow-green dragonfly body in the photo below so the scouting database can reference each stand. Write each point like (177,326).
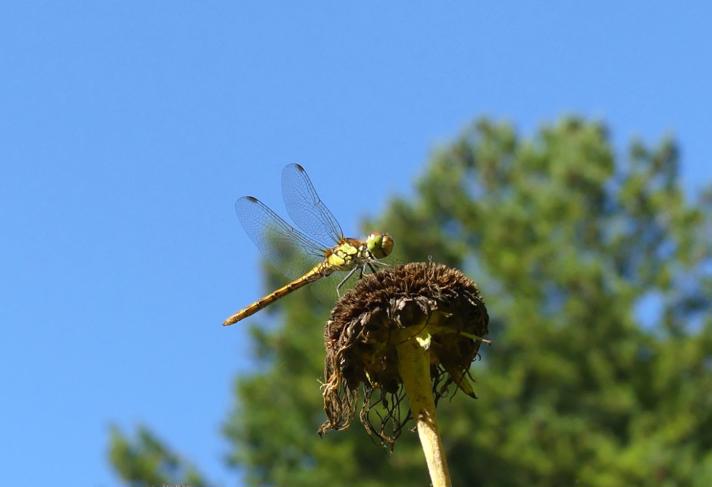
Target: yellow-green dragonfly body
(322,239)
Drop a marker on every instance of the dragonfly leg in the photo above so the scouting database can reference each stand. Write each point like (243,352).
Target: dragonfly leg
(343,281)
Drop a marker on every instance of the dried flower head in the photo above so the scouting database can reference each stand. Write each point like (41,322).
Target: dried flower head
(382,311)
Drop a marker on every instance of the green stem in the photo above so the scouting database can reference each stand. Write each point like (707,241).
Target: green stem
(414,368)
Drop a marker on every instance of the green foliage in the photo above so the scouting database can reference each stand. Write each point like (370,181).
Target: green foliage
(566,239)
(146,462)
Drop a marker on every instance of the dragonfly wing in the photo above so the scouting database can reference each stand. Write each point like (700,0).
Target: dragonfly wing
(276,238)
(306,209)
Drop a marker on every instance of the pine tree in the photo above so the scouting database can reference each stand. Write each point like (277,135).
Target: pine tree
(566,238)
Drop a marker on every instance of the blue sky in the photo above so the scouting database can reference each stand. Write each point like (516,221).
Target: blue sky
(127,130)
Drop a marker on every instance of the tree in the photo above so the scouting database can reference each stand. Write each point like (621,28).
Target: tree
(566,239)
(146,461)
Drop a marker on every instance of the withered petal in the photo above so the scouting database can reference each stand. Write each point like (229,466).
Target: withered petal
(360,346)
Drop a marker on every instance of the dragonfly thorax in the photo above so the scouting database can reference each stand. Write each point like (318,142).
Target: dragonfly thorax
(348,254)
(351,252)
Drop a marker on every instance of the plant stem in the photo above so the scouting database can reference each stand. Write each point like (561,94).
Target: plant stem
(414,369)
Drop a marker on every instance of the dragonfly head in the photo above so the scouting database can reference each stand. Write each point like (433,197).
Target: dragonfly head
(379,244)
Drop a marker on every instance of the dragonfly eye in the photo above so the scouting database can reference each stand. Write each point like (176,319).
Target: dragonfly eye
(379,244)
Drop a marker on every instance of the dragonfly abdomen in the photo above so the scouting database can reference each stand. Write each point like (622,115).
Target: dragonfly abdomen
(319,271)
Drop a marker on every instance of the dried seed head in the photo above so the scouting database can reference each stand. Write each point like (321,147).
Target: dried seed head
(370,319)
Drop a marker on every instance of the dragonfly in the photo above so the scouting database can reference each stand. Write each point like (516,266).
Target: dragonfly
(318,240)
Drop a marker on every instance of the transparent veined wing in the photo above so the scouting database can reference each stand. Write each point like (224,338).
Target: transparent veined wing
(276,238)
(306,209)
